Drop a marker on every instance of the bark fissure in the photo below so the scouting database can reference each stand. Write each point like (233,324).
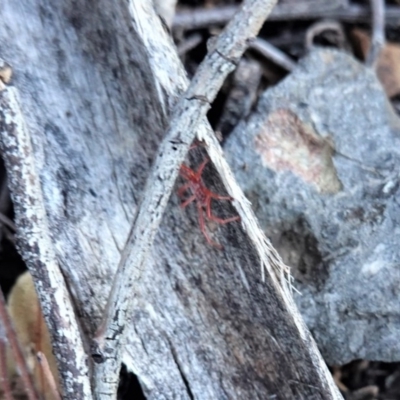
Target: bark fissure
(181,372)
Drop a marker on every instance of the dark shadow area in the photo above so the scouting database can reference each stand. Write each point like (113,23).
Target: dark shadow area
(129,386)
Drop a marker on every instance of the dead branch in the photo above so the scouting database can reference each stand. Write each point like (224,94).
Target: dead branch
(7,221)
(202,18)
(378,31)
(273,53)
(242,95)
(327,25)
(188,113)
(190,43)
(46,371)
(37,249)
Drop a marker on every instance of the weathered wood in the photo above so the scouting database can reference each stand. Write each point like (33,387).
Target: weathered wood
(96,89)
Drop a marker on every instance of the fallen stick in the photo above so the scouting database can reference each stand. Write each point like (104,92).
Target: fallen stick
(204,17)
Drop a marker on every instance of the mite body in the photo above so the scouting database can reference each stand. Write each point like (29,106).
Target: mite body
(203,197)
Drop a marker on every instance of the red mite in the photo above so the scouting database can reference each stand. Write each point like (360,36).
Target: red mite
(203,197)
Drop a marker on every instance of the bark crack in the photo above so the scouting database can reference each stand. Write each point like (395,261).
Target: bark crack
(180,369)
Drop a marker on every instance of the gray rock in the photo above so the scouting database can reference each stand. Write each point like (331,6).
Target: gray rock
(320,161)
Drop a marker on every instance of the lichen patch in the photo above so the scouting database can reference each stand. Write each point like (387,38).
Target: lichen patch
(285,143)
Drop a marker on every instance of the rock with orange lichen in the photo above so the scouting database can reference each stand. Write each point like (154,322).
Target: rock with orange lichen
(320,161)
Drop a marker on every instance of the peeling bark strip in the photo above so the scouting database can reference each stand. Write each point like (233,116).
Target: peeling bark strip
(36,248)
(188,114)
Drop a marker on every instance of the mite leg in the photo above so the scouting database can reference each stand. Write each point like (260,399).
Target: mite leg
(214,218)
(219,197)
(181,191)
(203,228)
(201,168)
(188,201)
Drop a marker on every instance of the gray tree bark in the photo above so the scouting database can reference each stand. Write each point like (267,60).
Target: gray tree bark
(205,326)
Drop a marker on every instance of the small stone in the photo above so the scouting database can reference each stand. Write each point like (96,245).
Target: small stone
(322,156)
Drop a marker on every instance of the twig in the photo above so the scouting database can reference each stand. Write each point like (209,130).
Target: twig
(326,25)
(4,195)
(5,387)
(378,31)
(37,250)
(188,113)
(202,18)
(9,227)
(7,221)
(241,97)
(45,368)
(16,351)
(272,53)
(10,236)
(190,43)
